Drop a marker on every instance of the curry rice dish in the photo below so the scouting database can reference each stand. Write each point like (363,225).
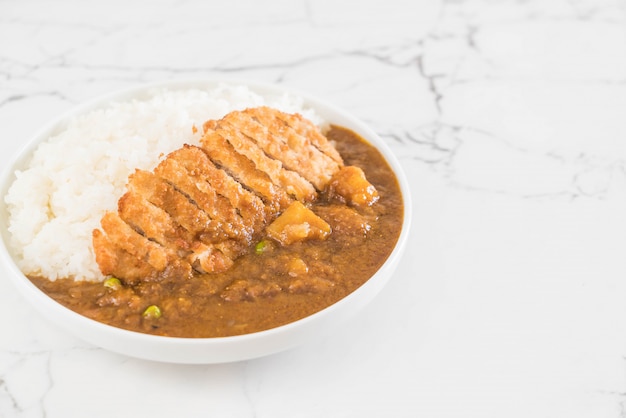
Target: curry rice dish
(267,220)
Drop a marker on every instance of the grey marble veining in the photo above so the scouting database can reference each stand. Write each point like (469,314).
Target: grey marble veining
(508,118)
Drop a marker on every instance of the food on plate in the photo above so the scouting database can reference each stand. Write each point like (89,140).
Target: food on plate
(249,217)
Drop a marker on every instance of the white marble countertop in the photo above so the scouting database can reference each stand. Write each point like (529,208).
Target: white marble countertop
(509,119)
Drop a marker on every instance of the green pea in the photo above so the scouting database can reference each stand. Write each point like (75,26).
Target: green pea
(152,312)
(113,283)
(261,247)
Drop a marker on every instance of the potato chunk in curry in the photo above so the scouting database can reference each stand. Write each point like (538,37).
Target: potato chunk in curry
(350,185)
(297,223)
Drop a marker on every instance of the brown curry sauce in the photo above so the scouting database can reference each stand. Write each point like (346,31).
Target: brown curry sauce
(269,286)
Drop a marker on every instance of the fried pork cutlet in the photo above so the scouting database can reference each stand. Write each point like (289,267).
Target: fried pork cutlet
(202,207)
(293,141)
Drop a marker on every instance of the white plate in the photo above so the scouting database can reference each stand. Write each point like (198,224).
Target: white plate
(203,350)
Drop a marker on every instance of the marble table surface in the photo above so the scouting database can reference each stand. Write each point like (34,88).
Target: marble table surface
(509,119)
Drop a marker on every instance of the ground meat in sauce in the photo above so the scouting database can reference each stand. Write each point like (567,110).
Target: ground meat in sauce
(269,286)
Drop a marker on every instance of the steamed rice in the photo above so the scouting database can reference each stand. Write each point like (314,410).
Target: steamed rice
(77,175)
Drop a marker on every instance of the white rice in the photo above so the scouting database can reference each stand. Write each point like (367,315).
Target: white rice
(74,177)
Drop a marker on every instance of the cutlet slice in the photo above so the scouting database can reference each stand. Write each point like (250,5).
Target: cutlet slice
(131,241)
(292,146)
(162,194)
(153,222)
(113,260)
(208,179)
(209,259)
(308,129)
(217,207)
(237,165)
(231,128)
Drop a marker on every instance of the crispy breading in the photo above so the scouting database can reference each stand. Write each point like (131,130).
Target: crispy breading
(217,207)
(291,140)
(244,171)
(153,222)
(112,259)
(233,129)
(133,242)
